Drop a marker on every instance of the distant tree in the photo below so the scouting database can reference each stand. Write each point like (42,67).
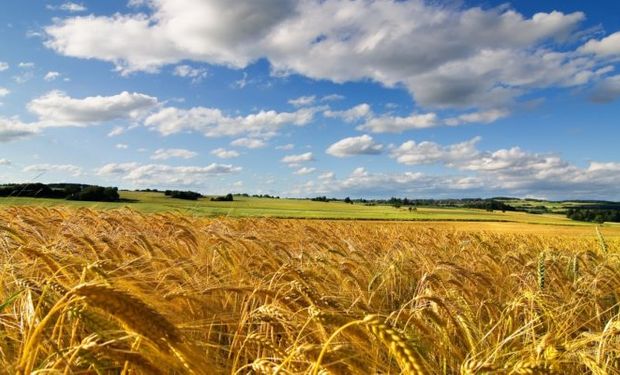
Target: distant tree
(188,195)
(320,199)
(96,193)
(348,200)
(226,198)
(594,215)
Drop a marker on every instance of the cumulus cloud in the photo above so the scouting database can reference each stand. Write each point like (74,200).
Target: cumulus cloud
(294,160)
(607,90)
(304,171)
(251,143)
(464,57)
(389,123)
(608,46)
(5,162)
(69,169)
(161,174)
(4,92)
(176,30)
(513,170)
(58,109)
(212,122)
(303,101)
(68,7)
(186,71)
(397,124)
(116,131)
(326,176)
(12,129)
(332,98)
(480,117)
(3,66)
(51,76)
(352,114)
(522,174)
(122,146)
(286,147)
(362,145)
(412,153)
(169,153)
(222,153)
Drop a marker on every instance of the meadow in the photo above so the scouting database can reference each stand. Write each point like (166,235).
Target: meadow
(120,291)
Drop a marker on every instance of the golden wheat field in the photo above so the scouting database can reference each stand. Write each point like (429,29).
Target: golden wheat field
(120,292)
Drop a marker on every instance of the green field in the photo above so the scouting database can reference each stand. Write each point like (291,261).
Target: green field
(295,208)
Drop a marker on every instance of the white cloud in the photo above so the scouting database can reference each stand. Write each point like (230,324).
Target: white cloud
(606,90)
(327,176)
(3,66)
(26,65)
(503,172)
(224,154)
(4,91)
(23,77)
(176,30)
(332,98)
(412,153)
(464,57)
(51,76)
(68,7)
(294,160)
(169,153)
(513,170)
(12,129)
(122,146)
(350,115)
(362,145)
(304,171)
(186,71)
(388,123)
(212,122)
(5,162)
(481,117)
(69,169)
(241,83)
(608,46)
(303,101)
(248,143)
(161,174)
(116,131)
(286,147)
(57,109)
(396,124)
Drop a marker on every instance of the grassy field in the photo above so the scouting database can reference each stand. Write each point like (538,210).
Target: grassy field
(123,292)
(295,208)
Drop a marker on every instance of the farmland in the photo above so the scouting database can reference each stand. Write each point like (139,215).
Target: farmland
(154,202)
(119,290)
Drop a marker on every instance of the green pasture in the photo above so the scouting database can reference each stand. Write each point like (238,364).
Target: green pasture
(151,202)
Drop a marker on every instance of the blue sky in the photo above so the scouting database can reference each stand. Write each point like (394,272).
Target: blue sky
(305,98)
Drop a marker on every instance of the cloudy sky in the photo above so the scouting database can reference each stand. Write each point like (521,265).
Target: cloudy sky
(300,98)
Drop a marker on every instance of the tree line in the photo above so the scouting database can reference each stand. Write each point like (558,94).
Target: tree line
(594,215)
(77,192)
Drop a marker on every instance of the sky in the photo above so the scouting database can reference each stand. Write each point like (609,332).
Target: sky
(300,98)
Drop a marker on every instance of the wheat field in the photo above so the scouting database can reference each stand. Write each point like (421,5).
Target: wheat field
(121,292)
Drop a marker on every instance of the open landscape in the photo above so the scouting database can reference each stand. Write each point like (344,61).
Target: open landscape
(309,187)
